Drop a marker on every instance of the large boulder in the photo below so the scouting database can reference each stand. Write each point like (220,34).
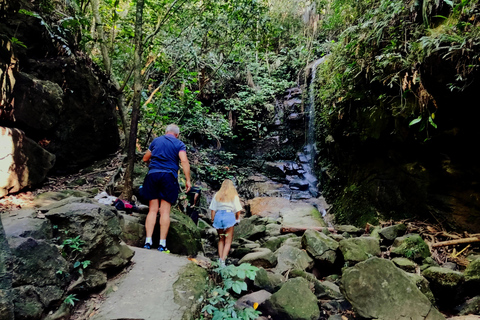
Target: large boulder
(81,120)
(294,301)
(97,226)
(67,247)
(23,163)
(183,236)
(377,289)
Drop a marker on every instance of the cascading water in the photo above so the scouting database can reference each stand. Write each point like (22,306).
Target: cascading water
(307,158)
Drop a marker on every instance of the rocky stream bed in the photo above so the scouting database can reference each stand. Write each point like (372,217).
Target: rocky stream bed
(309,268)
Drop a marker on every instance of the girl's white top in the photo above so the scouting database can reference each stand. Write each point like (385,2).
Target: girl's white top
(233,206)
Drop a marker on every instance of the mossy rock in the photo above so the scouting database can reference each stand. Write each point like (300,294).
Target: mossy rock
(183,235)
(190,288)
(411,246)
(267,280)
(294,300)
(359,249)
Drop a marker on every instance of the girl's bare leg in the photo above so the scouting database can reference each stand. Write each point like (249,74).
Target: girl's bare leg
(221,241)
(228,243)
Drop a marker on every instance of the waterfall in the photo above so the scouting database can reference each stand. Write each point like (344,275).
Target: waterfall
(309,151)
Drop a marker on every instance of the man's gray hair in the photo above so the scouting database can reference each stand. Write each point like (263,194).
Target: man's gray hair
(173,128)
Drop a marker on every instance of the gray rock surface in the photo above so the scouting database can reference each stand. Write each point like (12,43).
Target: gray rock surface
(377,289)
(147,291)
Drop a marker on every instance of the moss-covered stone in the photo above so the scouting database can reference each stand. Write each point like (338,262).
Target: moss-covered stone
(404,264)
(446,285)
(320,246)
(411,246)
(268,280)
(391,232)
(377,289)
(273,243)
(189,289)
(295,300)
(359,249)
(289,257)
(261,257)
(472,272)
(183,235)
(325,290)
(250,228)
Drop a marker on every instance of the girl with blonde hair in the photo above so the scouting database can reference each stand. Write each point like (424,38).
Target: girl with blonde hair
(225,209)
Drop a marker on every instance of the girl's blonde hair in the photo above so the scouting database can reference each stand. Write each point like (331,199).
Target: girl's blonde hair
(227,192)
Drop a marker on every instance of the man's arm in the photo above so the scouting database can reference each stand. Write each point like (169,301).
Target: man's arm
(147,156)
(186,169)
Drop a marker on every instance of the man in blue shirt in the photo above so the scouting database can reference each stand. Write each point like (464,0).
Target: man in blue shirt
(161,183)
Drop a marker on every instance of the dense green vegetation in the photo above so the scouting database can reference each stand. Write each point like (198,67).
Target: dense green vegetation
(395,71)
(213,67)
(217,68)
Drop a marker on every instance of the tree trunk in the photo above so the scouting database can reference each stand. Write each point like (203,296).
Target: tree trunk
(303,229)
(137,90)
(456,241)
(108,68)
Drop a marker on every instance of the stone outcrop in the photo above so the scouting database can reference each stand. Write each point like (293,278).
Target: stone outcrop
(61,101)
(67,247)
(377,289)
(183,236)
(23,163)
(294,301)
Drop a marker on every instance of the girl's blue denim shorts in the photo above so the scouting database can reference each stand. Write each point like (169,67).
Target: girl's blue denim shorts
(223,219)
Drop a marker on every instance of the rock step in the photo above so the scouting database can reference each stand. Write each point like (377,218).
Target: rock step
(146,291)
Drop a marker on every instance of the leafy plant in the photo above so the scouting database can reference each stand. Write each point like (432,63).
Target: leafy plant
(70,299)
(73,244)
(17,42)
(424,121)
(81,265)
(221,303)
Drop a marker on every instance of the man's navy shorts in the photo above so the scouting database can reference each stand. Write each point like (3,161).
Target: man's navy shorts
(161,185)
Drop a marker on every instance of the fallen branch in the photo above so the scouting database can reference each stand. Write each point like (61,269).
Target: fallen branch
(300,229)
(456,241)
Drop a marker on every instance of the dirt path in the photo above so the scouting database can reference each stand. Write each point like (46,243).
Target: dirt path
(146,291)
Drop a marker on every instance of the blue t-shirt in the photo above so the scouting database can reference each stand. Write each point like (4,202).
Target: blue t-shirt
(165,157)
